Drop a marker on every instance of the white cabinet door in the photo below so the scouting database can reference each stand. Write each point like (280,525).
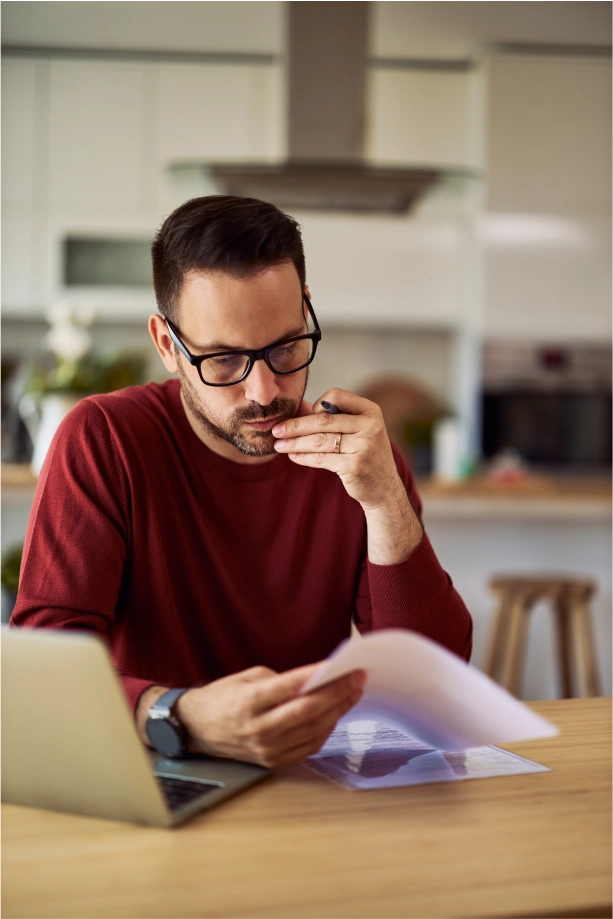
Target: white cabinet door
(371,270)
(424,118)
(215,112)
(547,232)
(220,112)
(549,132)
(96,112)
(18,131)
(17,260)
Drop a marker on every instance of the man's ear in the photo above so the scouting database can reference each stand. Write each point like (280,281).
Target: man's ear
(163,342)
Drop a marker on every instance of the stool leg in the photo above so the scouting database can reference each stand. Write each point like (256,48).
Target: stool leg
(587,669)
(493,659)
(565,646)
(516,640)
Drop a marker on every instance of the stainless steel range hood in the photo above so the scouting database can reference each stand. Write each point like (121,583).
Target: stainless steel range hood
(325,169)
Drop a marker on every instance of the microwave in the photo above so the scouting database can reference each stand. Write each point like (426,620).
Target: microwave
(552,403)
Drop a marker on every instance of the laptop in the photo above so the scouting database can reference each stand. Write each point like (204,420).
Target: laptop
(69,742)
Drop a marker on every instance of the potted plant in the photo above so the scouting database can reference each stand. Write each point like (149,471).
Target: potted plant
(70,369)
(9,579)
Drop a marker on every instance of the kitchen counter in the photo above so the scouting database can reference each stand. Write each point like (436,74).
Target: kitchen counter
(18,476)
(533,497)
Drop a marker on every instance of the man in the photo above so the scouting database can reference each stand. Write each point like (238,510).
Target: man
(220,532)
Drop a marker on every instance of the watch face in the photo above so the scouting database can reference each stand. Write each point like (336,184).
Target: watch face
(164,737)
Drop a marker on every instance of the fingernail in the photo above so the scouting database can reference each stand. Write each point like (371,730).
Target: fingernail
(326,405)
(278,430)
(279,444)
(358,680)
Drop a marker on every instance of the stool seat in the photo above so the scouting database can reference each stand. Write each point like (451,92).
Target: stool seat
(570,599)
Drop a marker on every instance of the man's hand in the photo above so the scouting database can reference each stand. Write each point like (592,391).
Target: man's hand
(355,445)
(365,462)
(257,715)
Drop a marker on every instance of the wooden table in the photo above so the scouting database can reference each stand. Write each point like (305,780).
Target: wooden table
(297,846)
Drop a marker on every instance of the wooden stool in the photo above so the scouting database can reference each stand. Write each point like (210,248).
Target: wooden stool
(570,598)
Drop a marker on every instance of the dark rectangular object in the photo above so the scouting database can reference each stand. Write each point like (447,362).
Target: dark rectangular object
(107,262)
(569,429)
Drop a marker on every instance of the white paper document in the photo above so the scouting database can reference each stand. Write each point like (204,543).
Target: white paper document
(423,690)
(368,755)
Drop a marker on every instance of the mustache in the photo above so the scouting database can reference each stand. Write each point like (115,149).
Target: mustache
(256,412)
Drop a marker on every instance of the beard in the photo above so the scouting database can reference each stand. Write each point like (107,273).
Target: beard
(255,443)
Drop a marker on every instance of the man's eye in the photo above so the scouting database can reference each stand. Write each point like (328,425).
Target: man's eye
(284,350)
(230,360)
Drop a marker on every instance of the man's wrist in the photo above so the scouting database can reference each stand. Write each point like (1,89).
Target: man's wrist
(147,699)
(393,528)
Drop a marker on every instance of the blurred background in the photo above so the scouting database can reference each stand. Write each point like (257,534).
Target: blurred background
(450,165)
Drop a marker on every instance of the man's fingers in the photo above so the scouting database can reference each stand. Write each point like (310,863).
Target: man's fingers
(281,687)
(332,700)
(321,422)
(300,742)
(324,442)
(345,400)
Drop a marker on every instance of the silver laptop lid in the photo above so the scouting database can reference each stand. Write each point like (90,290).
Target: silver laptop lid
(69,742)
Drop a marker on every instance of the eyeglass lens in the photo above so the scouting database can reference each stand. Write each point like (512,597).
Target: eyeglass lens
(285,358)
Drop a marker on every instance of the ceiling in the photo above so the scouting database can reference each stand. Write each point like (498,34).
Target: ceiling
(413,30)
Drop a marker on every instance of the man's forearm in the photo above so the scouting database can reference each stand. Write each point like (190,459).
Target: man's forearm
(393,529)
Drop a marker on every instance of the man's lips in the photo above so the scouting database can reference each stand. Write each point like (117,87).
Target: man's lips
(266,425)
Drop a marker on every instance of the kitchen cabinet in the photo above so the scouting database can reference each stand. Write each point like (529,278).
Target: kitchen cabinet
(22,147)
(424,117)
(96,133)
(549,133)
(366,269)
(17,259)
(547,225)
(20,131)
(221,112)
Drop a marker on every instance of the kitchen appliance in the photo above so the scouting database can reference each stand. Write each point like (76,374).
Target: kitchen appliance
(551,402)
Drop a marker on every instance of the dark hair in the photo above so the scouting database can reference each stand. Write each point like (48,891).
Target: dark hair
(240,236)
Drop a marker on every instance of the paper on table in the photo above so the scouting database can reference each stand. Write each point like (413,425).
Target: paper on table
(422,689)
(368,755)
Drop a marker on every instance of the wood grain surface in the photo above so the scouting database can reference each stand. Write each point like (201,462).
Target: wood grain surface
(297,846)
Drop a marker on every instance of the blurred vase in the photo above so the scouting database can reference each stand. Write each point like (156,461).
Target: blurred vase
(448,449)
(42,416)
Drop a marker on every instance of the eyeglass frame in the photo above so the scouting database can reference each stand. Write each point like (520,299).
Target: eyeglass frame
(196,360)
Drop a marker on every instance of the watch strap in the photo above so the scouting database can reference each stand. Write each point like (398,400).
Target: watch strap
(164,730)
(167,700)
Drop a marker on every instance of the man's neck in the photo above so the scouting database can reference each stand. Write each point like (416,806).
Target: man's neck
(218,444)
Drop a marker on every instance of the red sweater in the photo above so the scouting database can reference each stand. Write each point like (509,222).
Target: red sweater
(194,567)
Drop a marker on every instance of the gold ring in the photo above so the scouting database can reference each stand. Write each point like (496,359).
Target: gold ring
(337,443)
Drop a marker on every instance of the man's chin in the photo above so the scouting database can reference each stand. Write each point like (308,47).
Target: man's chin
(256,443)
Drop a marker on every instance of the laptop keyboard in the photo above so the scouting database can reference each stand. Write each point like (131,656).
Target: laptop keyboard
(181,791)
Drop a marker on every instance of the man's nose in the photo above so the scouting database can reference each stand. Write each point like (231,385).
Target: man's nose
(261,385)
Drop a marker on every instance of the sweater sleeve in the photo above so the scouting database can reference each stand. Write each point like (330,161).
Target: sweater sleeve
(415,593)
(75,551)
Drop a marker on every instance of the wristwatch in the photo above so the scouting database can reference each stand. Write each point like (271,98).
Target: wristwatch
(164,730)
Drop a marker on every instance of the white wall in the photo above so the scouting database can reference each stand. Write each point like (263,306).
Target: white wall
(473,550)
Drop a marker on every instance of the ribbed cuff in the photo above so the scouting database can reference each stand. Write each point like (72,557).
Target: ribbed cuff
(410,583)
(134,687)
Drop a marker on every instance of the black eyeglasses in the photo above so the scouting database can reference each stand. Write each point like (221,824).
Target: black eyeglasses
(225,368)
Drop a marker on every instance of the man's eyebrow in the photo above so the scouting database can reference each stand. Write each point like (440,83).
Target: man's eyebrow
(220,346)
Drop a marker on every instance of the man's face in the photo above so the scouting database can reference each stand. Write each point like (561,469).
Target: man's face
(218,312)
